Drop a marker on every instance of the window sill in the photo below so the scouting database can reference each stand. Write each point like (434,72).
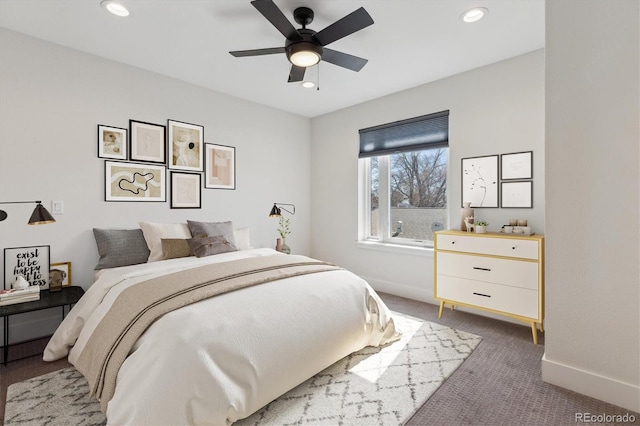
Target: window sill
(396,248)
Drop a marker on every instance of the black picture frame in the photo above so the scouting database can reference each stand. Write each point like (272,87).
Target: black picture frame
(32,262)
(186,190)
(131,182)
(220,166)
(112,142)
(516,165)
(147,142)
(516,194)
(185,143)
(479,181)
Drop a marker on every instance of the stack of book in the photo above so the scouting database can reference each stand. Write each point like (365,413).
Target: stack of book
(9,297)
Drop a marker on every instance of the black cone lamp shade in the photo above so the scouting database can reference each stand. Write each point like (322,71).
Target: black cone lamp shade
(40,215)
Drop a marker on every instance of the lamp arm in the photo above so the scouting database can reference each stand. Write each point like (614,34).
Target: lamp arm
(285,204)
(20,202)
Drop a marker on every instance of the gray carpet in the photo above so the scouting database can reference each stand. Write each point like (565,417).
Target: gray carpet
(374,386)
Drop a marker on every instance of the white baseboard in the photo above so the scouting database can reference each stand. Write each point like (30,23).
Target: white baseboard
(625,395)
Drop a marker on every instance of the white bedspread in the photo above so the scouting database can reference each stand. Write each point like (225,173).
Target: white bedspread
(221,359)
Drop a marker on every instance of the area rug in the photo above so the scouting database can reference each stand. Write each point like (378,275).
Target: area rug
(374,386)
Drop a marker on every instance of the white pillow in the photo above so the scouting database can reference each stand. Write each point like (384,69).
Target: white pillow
(241,235)
(155,232)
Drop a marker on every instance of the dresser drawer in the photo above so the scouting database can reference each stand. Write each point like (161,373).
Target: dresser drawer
(516,273)
(511,247)
(513,300)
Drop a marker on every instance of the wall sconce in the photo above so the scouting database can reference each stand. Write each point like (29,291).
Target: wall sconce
(40,215)
(276,211)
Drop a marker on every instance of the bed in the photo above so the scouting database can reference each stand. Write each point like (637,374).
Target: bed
(215,360)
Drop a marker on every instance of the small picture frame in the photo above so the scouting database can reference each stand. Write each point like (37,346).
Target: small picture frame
(186,146)
(480,181)
(30,262)
(185,190)
(518,194)
(112,142)
(60,274)
(220,170)
(148,142)
(516,165)
(134,182)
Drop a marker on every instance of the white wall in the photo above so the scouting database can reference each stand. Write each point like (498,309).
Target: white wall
(592,339)
(51,101)
(495,109)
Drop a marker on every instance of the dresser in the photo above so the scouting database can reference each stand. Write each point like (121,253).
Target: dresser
(495,272)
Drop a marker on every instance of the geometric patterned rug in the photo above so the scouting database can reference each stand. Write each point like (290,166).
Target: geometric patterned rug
(374,386)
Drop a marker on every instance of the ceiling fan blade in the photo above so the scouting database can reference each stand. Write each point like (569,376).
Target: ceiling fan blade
(355,21)
(257,52)
(344,60)
(274,15)
(296,73)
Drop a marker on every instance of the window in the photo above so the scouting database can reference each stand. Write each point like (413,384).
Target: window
(404,180)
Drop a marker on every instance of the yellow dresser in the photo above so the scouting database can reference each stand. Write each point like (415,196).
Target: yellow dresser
(495,272)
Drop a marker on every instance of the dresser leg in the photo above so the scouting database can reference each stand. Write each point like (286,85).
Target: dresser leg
(441,308)
(541,329)
(534,332)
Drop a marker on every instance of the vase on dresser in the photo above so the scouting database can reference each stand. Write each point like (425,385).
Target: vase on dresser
(465,212)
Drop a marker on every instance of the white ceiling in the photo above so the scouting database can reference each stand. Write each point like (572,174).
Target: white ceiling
(412,42)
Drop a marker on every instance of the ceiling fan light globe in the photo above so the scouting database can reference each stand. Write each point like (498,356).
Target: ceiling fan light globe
(304,54)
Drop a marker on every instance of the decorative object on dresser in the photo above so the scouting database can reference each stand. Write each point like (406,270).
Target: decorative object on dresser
(499,273)
(480,226)
(40,215)
(480,181)
(32,263)
(465,213)
(220,167)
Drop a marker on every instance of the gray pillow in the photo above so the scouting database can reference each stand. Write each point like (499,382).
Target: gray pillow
(120,247)
(208,246)
(211,229)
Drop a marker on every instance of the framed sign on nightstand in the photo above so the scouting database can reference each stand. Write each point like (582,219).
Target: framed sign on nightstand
(30,262)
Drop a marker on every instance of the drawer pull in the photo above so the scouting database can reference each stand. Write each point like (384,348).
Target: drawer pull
(481,269)
(480,294)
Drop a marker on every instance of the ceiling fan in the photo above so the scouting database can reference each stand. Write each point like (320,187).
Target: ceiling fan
(305,47)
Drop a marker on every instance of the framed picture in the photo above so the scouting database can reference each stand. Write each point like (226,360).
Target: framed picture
(148,142)
(480,181)
(30,262)
(220,170)
(517,194)
(185,190)
(134,182)
(185,146)
(60,272)
(517,165)
(112,142)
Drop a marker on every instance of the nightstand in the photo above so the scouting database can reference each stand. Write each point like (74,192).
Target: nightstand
(67,297)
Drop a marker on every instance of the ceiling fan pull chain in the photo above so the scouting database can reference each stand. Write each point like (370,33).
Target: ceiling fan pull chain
(318,78)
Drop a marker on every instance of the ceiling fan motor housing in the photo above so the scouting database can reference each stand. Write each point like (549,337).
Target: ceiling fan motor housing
(307,44)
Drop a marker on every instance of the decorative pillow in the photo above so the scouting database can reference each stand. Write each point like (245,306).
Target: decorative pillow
(173,248)
(208,246)
(120,247)
(241,237)
(154,232)
(211,229)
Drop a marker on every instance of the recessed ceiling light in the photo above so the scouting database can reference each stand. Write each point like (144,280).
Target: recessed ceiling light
(308,84)
(115,7)
(474,15)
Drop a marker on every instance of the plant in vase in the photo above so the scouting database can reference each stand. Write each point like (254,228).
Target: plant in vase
(284,230)
(481,226)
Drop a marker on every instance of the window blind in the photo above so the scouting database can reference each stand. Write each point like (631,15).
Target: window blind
(426,131)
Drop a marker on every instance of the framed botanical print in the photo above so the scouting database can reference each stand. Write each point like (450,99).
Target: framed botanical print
(30,262)
(148,142)
(112,142)
(220,170)
(186,146)
(480,181)
(134,182)
(185,190)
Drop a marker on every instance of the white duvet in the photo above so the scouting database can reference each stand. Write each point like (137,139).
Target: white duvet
(221,359)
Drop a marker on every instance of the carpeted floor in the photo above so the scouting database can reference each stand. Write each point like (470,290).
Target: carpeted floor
(499,384)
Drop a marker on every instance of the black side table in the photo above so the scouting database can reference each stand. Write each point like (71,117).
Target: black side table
(67,297)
